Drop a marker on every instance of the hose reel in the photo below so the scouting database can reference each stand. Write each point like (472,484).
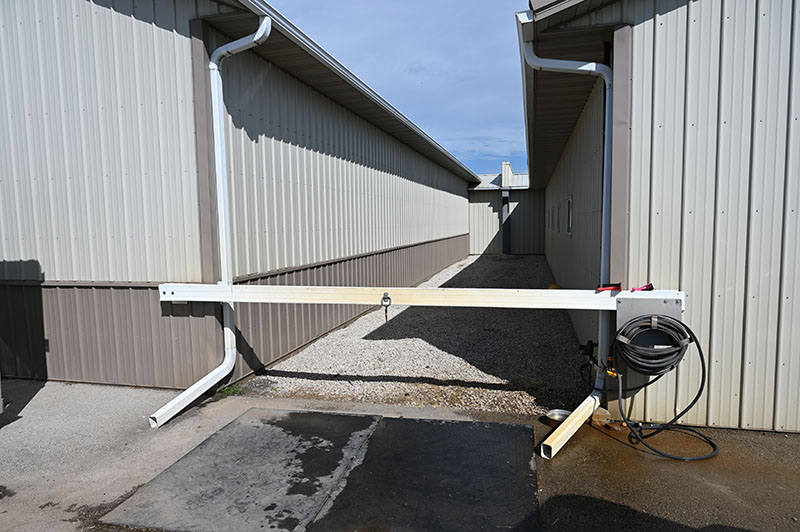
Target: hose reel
(655,361)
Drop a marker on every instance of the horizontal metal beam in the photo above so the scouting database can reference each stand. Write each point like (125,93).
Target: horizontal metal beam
(431,297)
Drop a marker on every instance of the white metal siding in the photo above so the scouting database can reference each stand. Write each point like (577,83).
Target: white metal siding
(575,259)
(517,180)
(698,212)
(715,187)
(96,139)
(787,391)
(485,222)
(732,169)
(312,182)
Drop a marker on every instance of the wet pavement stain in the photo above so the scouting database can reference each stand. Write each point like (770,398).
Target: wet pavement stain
(278,470)
(435,475)
(268,469)
(318,457)
(6,492)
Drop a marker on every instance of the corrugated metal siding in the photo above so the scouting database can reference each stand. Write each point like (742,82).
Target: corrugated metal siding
(733,171)
(526,208)
(269,332)
(117,335)
(312,182)
(787,392)
(485,213)
(105,335)
(575,259)
(526,222)
(518,180)
(666,167)
(767,189)
(98,139)
(714,196)
(698,194)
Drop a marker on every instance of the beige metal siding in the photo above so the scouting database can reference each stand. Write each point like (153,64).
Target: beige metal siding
(767,190)
(526,216)
(311,181)
(714,196)
(97,139)
(517,180)
(485,219)
(696,254)
(731,206)
(575,259)
(787,391)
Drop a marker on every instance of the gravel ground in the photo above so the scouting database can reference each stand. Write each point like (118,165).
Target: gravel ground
(497,360)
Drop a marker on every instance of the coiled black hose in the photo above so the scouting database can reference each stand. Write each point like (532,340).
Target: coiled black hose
(656,362)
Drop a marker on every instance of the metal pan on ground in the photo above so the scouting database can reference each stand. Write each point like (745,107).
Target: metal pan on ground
(555,416)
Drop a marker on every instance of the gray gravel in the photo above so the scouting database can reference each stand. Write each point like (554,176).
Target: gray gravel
(497,360)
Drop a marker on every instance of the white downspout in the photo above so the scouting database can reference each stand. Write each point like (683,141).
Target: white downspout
(571,425)
(168,411)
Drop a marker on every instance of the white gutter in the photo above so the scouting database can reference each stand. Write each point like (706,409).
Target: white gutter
(168,411)
(559,437)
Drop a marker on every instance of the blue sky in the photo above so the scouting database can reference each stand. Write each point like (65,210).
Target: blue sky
(452,67)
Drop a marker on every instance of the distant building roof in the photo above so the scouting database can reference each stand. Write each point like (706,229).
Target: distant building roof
(506,179)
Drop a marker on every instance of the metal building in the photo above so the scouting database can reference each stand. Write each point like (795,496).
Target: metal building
(108,188)
(505,215)
(705,181)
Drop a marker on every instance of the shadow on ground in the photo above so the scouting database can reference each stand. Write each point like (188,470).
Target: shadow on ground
(17,393)
(577,512)
(599,481)
(23,342)
(536,351)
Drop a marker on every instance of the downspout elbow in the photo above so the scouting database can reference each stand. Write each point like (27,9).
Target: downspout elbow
(240,45)
(567,66)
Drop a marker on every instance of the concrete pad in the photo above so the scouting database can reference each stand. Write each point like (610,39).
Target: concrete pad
(267,469)
(278,470)
(439,476)
(72,452)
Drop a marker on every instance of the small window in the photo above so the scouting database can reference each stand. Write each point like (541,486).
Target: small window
(569,216)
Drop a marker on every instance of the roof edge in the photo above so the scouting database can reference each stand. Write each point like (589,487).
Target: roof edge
(293,33)
(547,8)
(525,31)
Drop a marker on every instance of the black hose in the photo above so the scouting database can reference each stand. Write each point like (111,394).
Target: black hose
(656,362)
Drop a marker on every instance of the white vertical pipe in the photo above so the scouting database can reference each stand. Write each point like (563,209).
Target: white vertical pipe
(556,440)
(166,412)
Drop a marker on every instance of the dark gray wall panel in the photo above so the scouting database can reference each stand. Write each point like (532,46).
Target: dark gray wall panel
(105,334)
